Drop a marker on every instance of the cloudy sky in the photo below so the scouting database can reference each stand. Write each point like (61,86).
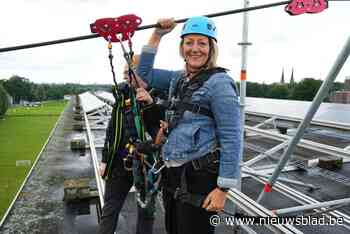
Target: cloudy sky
(309,43)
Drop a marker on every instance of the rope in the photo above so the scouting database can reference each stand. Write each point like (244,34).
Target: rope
(91,36)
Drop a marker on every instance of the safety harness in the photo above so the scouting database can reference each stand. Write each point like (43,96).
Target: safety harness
(145,168)
(181,97)
(181,193)
(181,101)
(117,125)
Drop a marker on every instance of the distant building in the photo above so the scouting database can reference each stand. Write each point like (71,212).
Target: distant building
(30,104)
(344,95)
(23,102)
(347,83)
(67,97)
(341,97)
(292,82)
(282,77)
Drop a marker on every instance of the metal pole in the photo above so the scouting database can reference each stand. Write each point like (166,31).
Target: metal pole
(304,199)
(100,183)
(251,172)
(322,92)
(255,209)
(335,151)
(265,154)
(243,78)
(345,201)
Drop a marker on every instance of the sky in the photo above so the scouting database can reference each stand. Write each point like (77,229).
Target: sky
(309,43)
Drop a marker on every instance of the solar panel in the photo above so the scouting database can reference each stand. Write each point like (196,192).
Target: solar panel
(106,96)
(328,112)
(90,102)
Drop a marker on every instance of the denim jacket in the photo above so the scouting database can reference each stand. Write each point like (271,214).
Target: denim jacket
(195,135)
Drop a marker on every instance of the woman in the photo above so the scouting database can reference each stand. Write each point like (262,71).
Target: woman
(202,149)
(118,180)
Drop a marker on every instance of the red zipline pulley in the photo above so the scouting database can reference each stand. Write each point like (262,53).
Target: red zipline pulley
(297,7)
(110,27)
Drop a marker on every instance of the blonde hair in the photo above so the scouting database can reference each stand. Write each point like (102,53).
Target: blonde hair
(213,56)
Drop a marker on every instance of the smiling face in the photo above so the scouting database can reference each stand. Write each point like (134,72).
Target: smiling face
(195,50)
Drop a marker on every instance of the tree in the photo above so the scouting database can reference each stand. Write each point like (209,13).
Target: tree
(306,89)
(19,88)
(336,87)
(255,90)
(279,91)
(41,93)
(4,102)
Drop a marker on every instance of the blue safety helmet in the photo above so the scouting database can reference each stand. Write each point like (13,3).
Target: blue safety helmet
(199,25)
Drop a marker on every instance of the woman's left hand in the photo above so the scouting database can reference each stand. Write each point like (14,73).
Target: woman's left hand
(215,200)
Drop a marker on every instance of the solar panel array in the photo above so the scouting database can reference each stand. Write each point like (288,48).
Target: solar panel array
(108,97)
(90,102)
(328,112)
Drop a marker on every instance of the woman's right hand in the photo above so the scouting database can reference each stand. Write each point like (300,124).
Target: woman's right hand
(165,26)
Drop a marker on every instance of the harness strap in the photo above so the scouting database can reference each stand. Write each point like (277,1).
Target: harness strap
(181,193)
(204,162)
(194,108)
(180,97)
(117,125)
